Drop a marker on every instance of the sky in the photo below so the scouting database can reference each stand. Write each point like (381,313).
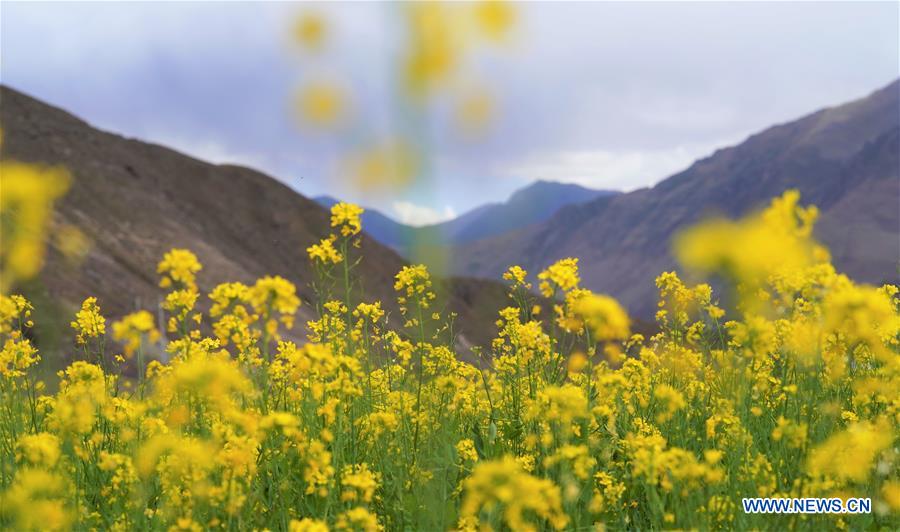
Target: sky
(606,95)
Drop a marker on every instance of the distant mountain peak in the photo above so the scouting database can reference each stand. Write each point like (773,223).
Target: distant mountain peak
(526,206)
(542,186)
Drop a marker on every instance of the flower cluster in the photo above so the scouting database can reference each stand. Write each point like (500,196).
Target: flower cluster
(89,323)
(567,422)
(345,217)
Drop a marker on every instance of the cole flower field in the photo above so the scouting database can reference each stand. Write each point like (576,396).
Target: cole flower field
(566,422)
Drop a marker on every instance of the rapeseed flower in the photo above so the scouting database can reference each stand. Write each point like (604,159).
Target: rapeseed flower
(504,486)
(178,269)
(346,218)
(561,275)
(89,323)
(26,204)
(133,329)
(603,315)
(324,251)
(371,421)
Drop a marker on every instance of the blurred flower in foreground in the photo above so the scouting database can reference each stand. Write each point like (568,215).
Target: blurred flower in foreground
(852,453)
(798,402)
(321,104)
(27,193)
(521,497)
(72,243)
(748,251)
(604,316)
(474,112)
(495,18)
(310,31)
(133,329)
(36,500)
(385,166)
(435,45)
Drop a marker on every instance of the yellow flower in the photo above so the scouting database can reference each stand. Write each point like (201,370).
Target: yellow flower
(495,17)
(15,313)
(214,382)
(434,49)
(771,242)
(307,525)
(516,275)
(227,297)
(324,251)
(358,518)
(39,450)
(178,268)
(274,294)
(133,328)
(359,483)
(474,112)
(793,433)
(604,316)
(387,164)
(370,312)
(180,303)
(503,485)
(465,450)
(890,492)
(607,492)
(16,357)
(36,501)
(563,275)
(83,389)
(321,104)
(346,216)
(414,282)
(89,323)
(862,314)
(310,31)
(72,243)
(26,205)
(318,471)
(671,400)
(577,457)
(562,404)
(850,454)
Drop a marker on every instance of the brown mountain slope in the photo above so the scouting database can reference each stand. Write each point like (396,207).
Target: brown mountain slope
(136,200)
(844,159)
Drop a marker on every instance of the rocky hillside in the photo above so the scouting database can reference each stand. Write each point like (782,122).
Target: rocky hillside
(843,159)
(135,200)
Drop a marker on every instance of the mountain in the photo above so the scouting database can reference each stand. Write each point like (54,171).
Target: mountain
(843,159)
(135,200)
(530,205)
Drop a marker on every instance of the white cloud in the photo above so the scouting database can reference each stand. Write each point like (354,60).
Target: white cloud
(417,215)
(619,170)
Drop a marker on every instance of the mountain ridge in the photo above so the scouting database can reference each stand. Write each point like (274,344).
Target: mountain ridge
(623,241)
(136,200)
(526,206)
